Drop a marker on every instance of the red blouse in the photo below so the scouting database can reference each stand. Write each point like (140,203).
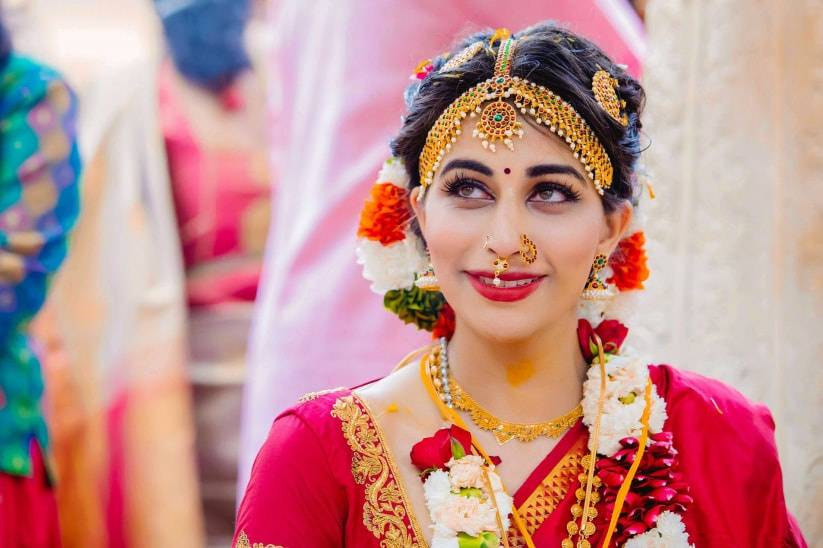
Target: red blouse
(325,478)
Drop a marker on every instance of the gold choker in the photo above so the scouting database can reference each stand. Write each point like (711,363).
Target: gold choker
(454,396)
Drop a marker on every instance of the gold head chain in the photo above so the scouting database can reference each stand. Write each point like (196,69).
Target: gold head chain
(503,95)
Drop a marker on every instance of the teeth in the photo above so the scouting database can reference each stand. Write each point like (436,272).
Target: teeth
(506,283)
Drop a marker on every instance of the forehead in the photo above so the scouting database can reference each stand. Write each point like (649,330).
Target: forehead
(537,146)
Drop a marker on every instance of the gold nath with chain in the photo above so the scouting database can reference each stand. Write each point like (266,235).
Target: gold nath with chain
(454,396)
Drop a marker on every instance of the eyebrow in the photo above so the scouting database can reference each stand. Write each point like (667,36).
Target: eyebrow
(468,164)
(553,169)
(534,171)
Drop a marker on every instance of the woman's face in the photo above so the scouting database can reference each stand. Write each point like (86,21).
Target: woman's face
(541,190)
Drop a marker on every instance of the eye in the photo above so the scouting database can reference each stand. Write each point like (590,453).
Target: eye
(554,193)
(466,188)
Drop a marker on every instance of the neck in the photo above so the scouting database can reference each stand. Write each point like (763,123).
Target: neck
(529,380)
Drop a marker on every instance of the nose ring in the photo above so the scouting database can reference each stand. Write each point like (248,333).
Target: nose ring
(501,264)
(528,251)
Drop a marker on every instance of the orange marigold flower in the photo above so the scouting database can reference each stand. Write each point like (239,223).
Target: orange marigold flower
(629,263)
(385,214)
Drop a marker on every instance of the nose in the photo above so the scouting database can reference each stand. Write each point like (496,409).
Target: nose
(503,239)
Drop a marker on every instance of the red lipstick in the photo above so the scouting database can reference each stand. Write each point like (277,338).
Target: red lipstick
(509,290)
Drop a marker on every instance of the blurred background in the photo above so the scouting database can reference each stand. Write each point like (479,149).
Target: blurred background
(227,146)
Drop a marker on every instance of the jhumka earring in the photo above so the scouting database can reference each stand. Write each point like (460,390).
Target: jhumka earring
(427,281)
(501,264)
(528,251)
(596,289)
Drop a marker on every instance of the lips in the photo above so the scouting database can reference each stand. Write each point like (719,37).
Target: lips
(514,286)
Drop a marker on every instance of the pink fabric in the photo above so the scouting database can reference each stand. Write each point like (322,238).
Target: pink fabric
(339,70)
(302,492)
(214,191)
(28,508)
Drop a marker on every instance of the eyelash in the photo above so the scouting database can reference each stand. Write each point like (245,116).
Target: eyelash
(453,186)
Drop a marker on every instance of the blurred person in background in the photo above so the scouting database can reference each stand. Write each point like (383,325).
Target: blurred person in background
(39,203)
(211,102)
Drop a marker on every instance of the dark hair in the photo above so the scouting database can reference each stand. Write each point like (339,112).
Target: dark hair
(549,55)
(205,39)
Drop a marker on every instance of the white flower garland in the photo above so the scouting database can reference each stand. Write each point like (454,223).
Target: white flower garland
(627,375)
(625,401)
(670,532)
(474,513)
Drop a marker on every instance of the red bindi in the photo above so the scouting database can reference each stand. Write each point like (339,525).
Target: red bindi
(507,171)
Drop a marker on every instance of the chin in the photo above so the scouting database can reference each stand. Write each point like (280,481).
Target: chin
(506,324)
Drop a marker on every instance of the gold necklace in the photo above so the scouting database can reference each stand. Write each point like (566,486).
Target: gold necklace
(454,396)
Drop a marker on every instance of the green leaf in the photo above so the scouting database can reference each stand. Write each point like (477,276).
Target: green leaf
(470,492)
(457,449)
(483,540)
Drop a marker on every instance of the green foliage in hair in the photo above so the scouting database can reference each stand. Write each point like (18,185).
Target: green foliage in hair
(415,305)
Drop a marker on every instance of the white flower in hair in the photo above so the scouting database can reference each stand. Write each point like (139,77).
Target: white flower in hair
(392,266)
(394,172)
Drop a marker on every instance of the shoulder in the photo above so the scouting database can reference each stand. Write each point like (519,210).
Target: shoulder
(693,399)
(683,387)
(297,492)
(313,414)
(304,439)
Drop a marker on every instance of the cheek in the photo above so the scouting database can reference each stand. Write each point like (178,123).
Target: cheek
(451,233)
(569,243)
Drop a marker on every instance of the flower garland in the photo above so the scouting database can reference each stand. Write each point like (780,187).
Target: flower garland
(657,486)
(465,498)
(393,255)
(650,515)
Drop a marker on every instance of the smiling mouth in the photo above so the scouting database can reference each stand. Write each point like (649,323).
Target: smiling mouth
(505,284)
(510,286)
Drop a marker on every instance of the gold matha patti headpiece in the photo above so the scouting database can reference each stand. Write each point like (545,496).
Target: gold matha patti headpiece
(604,87)
(503,95)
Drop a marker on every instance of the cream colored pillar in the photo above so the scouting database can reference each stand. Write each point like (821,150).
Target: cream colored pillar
(735,117)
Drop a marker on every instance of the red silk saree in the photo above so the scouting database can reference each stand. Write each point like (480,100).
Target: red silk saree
(325,478)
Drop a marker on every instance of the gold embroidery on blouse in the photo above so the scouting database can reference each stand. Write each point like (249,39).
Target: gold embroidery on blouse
(386,506)
(314,395)
(243,542)
(550,493)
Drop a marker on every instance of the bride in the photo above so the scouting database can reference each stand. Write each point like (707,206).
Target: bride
(507,223)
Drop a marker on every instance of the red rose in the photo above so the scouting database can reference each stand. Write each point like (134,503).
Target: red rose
(612,333)
(584,337)
(445,323)
(435,451)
